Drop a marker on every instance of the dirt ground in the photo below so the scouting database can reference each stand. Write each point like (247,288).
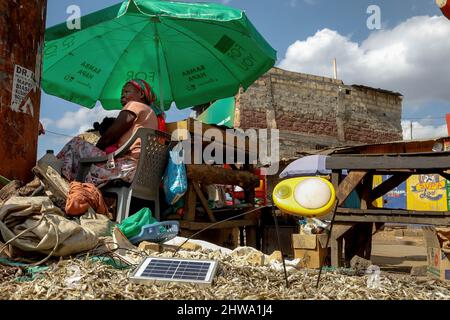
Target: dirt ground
(398,250)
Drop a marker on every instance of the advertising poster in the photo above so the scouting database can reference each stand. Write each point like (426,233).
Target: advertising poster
(448,195)
(427,192)
(377,180)
(396,198)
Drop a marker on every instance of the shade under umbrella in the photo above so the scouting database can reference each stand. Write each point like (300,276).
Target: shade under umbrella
(190,53)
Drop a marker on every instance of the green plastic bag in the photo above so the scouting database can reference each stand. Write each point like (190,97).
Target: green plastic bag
(132,225)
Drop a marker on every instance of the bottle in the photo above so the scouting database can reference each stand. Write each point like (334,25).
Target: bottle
(49,160)
(373,277)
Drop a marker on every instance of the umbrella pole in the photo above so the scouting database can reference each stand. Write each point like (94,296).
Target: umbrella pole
(158,63)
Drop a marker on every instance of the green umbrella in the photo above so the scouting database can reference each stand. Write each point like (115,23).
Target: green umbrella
(190,53)
(220,112)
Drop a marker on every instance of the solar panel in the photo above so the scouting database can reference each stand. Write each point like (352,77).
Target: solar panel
(169,269)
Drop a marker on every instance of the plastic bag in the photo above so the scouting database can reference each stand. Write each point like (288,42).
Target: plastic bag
(312,226)
(175,177)
(132,225)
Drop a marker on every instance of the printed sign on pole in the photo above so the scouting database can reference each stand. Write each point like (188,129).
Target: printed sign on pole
(23,83)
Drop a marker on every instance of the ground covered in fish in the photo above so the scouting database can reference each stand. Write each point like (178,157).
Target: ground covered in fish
(235,279)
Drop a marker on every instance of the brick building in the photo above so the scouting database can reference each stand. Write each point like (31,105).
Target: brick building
(314,112)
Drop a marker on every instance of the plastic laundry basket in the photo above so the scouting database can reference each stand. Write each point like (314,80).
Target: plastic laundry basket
(157,232)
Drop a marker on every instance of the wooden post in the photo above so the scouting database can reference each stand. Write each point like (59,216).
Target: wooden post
(189,206)
(203,201)
(22,27)
(336,241)
(366,202)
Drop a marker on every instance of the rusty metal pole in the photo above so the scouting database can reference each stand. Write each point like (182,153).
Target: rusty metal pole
(22,27)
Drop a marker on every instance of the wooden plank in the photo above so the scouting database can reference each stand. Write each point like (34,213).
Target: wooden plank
(203,201)
(191,202)
(339,229)
(388,185)
(53,180)
(187,129)
(217,175)
(392,212)
(445,175)
(404,171)
(386,162)
(226,224)
(394,219)
(394,154)
(349,184)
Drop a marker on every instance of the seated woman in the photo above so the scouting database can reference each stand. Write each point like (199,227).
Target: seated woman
(138,112)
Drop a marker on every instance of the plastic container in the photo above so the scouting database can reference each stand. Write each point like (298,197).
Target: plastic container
(157,232)
(50,160)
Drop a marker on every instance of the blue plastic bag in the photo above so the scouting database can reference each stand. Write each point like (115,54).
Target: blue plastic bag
(175,178)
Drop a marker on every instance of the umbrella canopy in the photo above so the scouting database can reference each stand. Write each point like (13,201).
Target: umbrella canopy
(190,53)
(220,113)
(306,166)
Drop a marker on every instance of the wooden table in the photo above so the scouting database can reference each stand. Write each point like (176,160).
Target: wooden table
(362,168)
(207,174)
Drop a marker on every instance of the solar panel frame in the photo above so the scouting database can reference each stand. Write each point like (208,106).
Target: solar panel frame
(155,269)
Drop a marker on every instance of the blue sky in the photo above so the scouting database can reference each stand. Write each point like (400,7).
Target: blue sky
(306,34)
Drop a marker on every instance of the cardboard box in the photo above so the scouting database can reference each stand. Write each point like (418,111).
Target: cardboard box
(310,249)
(438,258)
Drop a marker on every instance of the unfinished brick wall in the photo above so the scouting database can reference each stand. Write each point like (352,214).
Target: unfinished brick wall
(313,112)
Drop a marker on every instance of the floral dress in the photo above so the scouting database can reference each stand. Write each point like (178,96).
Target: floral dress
(99,174)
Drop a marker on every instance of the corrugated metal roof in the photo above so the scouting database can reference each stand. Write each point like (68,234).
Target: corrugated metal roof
(408,146)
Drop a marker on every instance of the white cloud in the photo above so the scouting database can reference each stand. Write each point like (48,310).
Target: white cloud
(46,122)
(422,131)
(411,58)
(82,119)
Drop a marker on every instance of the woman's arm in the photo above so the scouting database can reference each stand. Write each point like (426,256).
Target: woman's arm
(119,127)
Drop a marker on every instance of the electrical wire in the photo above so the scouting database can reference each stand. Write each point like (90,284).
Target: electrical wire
(59,134)
(215,224)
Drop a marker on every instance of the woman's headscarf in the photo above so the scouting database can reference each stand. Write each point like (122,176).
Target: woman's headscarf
(145,88)
(150,98)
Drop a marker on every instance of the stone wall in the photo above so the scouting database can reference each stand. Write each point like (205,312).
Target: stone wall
(313,112)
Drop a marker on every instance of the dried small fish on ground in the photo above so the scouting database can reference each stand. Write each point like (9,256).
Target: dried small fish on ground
(95,280)
(8,273)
